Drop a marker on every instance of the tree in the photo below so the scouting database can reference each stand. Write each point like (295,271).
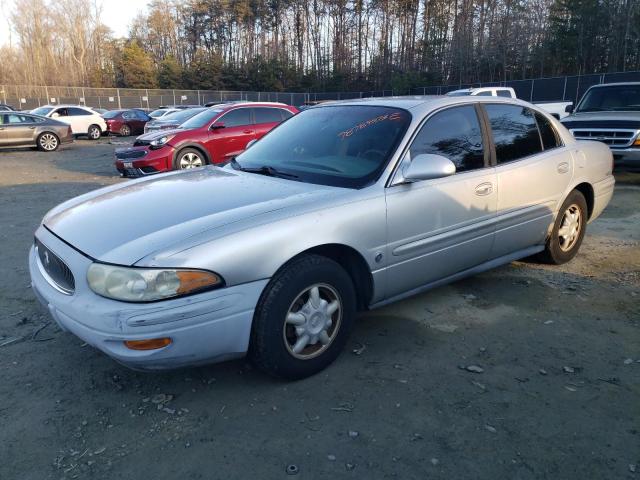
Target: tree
(169,73)
(135,68)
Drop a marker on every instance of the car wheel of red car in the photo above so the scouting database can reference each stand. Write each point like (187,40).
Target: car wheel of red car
(125,131)
(189,158)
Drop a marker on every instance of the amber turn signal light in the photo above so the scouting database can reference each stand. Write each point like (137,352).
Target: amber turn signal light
(150,344)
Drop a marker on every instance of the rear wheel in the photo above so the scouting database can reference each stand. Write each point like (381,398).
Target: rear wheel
(125,131)
(189,158)
(48,142)
(568,230)
(94,132)
(303,318)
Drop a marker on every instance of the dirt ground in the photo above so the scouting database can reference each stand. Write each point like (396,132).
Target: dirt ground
(558,396)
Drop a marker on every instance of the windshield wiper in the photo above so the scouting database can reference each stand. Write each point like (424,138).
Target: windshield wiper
(263,170)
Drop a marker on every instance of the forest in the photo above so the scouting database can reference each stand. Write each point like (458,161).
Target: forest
(319,45)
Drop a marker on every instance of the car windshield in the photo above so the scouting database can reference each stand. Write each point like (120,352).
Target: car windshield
(182,115)
(614,98)
(42,111)
(158,113)
(111,114)
(342,145)
(202,118)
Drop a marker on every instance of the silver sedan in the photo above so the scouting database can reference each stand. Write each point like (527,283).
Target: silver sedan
(346,206)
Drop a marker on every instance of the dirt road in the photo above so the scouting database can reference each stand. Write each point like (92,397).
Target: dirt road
(553,391)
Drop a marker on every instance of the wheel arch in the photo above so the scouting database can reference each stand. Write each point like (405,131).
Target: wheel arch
(353,262)
(586,190)
(195,146)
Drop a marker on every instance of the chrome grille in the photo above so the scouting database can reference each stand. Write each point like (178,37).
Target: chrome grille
(612,137)
(56,270)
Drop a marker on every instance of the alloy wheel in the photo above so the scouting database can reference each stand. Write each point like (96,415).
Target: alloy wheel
(190,160)
(312,321)
(94,133)
(48,142)
(570,227)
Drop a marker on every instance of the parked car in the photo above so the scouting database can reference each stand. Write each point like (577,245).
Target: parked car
(557,109)
(6,108)
(25,130)
(213,136)
(161,112)
(126,122)
(610,113)
(100,111)
(343,207)
(173,120)
(83,120)
(180,107)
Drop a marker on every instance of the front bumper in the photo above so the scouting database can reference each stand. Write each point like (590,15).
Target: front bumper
(153,161)
(628,158)
(204,328)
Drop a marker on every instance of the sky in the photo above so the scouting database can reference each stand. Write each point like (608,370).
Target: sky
(116,14)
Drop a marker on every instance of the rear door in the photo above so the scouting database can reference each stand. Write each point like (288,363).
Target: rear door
(266,118)
(236,130)
(437,228)
(80,119)
(532,177)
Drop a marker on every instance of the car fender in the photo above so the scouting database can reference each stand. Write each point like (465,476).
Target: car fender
(188,144)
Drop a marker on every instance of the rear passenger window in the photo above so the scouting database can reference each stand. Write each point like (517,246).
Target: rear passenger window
(503,93)
(236,118)
(77,112)
(453,133)
(285,113)
(486,93)
(515,132)
(267,115)
(550,138)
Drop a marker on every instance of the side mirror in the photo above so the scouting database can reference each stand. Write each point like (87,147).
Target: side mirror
(217,126)
(428,166)
(569,108)
(250,144)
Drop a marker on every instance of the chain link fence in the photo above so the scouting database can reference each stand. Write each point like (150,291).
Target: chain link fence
(26,97)
(569,88)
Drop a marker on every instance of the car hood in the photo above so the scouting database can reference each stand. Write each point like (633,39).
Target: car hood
(148,137)
(603,120)
(122,224)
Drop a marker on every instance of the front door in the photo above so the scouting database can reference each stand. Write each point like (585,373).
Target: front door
(18,129)
(232,138)
(533,171)
(440,227)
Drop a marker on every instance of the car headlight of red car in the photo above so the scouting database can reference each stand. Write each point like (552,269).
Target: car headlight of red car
(160,142)
(130,284)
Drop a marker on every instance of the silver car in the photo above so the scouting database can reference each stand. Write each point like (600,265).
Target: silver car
(344,207)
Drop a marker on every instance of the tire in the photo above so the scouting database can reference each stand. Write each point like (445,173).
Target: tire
(289,295)
(572,217)
(94,132)
(189,158)
(48,142)
(125,131)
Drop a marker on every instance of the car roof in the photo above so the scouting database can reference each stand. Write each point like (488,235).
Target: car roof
(618,84)
(229,106)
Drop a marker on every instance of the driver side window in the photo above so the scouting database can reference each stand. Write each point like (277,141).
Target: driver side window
(454,133)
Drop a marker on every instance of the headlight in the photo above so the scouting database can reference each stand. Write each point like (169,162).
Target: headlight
(147,284)
(159,142)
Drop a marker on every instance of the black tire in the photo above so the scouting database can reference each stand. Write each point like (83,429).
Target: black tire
(558,249)
(94,132)
(186,157)
(125,130)
(270,347)
(48,142)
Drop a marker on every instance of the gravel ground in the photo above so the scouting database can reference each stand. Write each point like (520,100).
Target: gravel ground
(524,372)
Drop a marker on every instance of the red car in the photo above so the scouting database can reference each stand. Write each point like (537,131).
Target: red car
(210,137)
(125,122)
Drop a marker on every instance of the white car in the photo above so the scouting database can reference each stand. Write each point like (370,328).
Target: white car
(83,120)
(557,109)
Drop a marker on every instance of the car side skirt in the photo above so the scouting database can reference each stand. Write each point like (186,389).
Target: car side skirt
(483,267)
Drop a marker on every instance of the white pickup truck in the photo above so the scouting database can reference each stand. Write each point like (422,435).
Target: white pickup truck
(557,109)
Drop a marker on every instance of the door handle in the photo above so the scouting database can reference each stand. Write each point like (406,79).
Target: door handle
(32,128)
(247,131)
(563,167)
(484,189)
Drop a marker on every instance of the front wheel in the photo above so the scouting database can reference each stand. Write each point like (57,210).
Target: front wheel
(568,230)
(188,158)
(48,142)
(94,132)
(303,318)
